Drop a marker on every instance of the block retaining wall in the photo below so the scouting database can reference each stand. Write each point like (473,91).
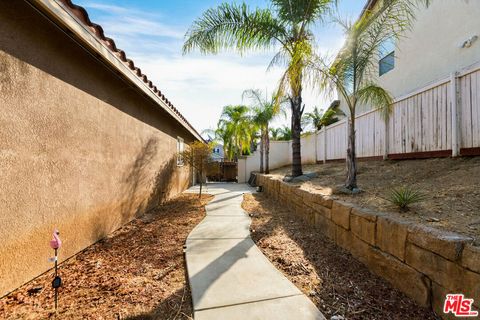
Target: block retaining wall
(422,262)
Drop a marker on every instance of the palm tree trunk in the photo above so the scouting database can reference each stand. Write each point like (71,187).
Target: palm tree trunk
(267,151)
(296,104)
(262,138)
(351,182)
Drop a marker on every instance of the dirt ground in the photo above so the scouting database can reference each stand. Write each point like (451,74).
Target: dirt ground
(336,282)
(451,187)
(135,273)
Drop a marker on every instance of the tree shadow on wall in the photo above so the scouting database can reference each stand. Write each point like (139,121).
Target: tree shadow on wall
(133,180)
(136,179)
(163,184)
(144,186)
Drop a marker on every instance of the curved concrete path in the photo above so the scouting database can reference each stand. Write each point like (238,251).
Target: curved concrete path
(229,276)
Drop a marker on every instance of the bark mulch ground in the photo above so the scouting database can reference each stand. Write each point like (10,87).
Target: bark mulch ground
(338,284)
(135,273)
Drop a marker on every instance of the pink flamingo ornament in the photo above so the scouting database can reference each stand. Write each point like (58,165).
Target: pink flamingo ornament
(56,243)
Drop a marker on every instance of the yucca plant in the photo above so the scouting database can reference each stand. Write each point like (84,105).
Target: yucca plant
(405,196)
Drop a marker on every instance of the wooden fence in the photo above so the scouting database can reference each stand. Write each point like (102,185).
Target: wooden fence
(422,124)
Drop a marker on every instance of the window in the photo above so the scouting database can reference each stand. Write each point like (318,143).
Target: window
(387,63)
(387,57)
(180,149)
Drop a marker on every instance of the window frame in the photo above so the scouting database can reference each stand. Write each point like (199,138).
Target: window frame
(386,53)
(180,149)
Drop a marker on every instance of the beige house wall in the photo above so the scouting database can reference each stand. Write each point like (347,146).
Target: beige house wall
(81,149)
(432,49)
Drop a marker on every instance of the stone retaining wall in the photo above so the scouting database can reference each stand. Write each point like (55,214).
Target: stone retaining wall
(422,262)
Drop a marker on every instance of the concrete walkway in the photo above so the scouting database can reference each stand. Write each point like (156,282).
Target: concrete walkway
(229,276)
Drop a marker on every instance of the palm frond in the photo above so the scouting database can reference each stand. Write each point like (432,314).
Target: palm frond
(232,26)
(377,97)
(254,95)
(300,12)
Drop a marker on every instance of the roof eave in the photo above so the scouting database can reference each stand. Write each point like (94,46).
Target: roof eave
(62,15)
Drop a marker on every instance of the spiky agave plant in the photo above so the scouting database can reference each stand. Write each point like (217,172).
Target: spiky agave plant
(405,196)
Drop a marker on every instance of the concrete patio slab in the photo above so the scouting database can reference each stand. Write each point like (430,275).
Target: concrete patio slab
(229,276)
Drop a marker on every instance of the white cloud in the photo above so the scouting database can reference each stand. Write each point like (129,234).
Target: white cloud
(199,86)
(133,25)
(126,21)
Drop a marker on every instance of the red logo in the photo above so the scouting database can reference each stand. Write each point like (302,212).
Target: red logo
(459,306)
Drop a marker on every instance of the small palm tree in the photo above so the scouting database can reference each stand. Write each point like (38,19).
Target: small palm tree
(285,25)
(235,129)
(352,73)
(318,120)
(275,133)
(264,111)
(285,133)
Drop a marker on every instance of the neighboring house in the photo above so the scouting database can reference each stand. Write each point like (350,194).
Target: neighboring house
(87,142)
(444,39)
(218,153)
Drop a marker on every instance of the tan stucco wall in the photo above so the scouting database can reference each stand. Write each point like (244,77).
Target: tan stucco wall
(80,149)
(431,50)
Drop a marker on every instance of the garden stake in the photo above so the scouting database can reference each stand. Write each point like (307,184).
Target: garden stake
(55,244)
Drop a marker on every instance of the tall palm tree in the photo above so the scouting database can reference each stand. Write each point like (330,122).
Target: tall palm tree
(235,128)
(352,74)
(285,25)
(264,111)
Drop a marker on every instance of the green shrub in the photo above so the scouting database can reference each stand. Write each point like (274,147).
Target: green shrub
(404,196)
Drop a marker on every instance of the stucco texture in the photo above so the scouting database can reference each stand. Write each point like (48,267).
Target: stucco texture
(81,150)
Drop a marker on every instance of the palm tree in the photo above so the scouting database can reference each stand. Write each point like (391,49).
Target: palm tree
(264,111)
(352,73)
(285,25)
(285,133)
(235,129)
(318,120)
(275,133)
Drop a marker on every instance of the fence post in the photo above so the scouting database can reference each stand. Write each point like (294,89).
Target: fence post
(386,143)
(347,131)
(324,144)
(454,94)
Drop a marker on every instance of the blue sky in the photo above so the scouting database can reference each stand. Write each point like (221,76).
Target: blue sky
(151,33)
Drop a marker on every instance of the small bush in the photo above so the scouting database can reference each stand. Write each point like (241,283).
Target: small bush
(403,197)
